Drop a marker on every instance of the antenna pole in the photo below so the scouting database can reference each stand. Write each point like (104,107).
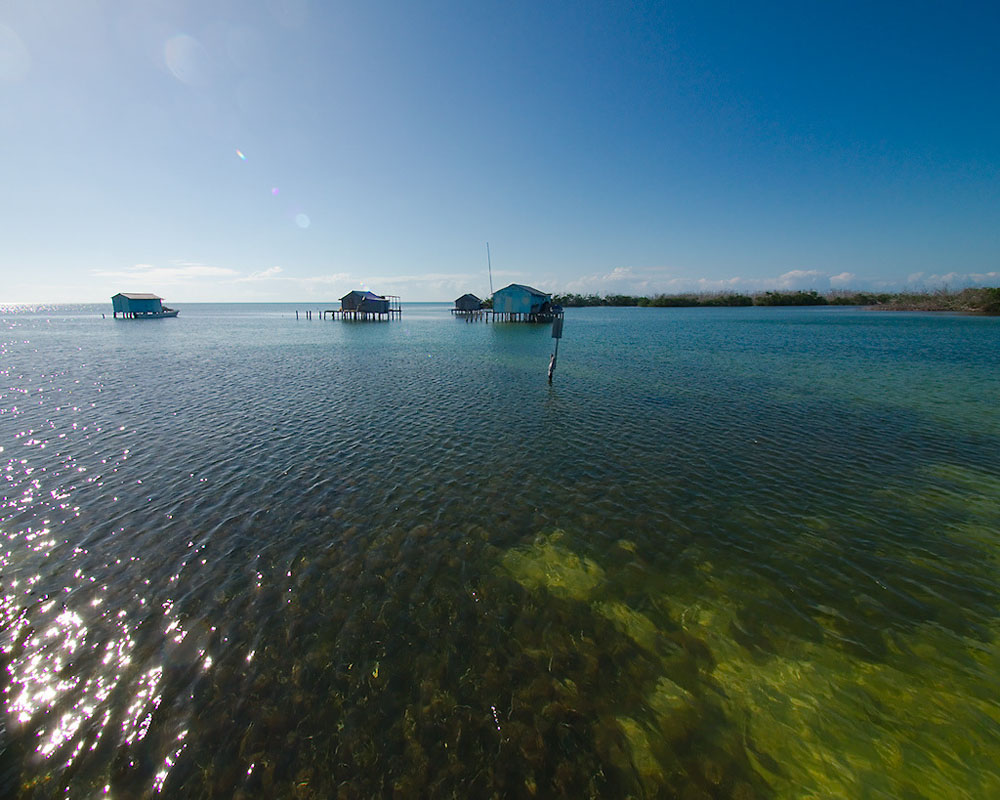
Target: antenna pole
(490,266)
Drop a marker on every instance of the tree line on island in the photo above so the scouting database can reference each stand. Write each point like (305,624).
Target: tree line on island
(982,300)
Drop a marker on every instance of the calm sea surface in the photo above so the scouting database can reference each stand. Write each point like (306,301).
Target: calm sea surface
(744,553)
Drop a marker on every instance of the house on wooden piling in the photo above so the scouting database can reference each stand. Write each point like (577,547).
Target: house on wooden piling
(470,308)
(366,305)
(135,305)
(467,302)
(364,301)
(520,303)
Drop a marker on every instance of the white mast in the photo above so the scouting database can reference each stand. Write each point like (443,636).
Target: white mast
(490,266)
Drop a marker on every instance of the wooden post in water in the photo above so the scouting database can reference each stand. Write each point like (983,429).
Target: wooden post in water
(557,325)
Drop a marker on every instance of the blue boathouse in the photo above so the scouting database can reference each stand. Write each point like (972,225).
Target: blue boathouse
(135,305)
(520,303)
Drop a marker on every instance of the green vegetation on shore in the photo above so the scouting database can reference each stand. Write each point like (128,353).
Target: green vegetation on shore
(981,300)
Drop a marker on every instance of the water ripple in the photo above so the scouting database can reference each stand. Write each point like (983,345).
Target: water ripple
(255,557)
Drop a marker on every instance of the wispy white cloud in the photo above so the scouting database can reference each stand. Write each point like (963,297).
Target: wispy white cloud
(276,281)
(433,277)
(802,279)
(955,280)
(430,285)
(334,279)
(176,273)
(662,280)
(264,275)
(620,280)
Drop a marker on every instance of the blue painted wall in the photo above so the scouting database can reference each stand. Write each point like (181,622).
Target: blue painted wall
(519,299)
(132,305)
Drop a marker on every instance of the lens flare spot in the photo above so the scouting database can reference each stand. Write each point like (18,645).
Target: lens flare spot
(302,220)
(240,154)
(186,59)
(274,190)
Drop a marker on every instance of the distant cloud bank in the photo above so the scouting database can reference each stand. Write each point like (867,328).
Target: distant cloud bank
(955,280)
(193,282)
(649,281)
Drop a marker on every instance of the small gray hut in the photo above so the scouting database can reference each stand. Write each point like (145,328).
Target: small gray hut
(364,302)
(366,305)
(468,302)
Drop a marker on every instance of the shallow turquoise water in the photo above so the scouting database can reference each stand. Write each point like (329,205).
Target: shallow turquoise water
(728,553)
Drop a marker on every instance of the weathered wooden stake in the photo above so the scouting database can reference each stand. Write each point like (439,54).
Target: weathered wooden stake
(557,326)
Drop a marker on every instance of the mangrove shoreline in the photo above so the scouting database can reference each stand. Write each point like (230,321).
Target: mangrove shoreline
(975,300)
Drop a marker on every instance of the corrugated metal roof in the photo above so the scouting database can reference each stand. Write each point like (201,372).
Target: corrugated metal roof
(364,295)
(138,296)
(527,289)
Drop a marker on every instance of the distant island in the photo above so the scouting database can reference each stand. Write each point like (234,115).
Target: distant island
(979,300)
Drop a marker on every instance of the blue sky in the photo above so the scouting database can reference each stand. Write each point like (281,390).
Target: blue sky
(295,150)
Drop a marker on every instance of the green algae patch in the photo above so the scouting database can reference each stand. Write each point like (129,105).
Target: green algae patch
(637,626)
(844,669)
(841,728)
(954,490)
(641,752)
(668,698)
(971,480)
(547,564)
(818,722)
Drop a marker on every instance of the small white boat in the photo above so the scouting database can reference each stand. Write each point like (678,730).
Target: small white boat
(161,314)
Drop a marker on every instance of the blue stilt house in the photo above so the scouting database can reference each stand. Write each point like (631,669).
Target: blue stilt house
(520,303)
(137,305)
